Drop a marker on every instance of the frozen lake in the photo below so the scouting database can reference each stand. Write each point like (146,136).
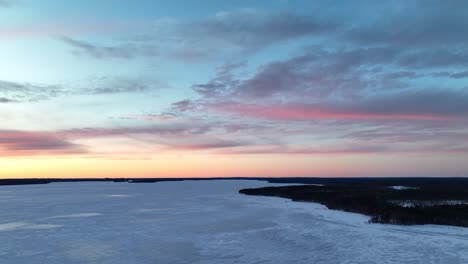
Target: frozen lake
(201,222)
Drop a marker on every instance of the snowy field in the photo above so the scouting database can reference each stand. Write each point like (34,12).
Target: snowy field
(201,222)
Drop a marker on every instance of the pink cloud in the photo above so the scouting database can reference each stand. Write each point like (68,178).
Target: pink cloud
(310,112)
(27,143)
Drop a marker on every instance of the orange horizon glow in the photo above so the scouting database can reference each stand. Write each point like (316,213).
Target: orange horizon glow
(202,166)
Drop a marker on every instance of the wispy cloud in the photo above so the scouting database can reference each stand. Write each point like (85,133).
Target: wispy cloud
(16,92)
(241,31)
(6,100)
(151,117)
(26,92)
(27,143)
(169,137)
(415,24)
(339,84)
(409,105)
(113,85)
(251,29)
(367,75)
(124,51)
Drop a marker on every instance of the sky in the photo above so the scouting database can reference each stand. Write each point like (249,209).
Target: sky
(119,88)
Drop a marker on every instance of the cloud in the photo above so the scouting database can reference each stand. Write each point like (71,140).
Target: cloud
(409,134)
(423,25)
(224,80)
(125,51)
(381,82)
(7,3)
(344,81)
(353,149)
(234,137)
(27,143)
(459,75)
(251,29)
(151,117)
(183,106)
(317,73)
(6,100)
(434,58)
(183,135)
(326,83)
(16,92)
(428,104)
(414,24)
(170,136)
(26,92)
(423,39)
(208,143)
(232,32)
(436,102)
(173,129)
(414,31)
(108,85)
(241,31)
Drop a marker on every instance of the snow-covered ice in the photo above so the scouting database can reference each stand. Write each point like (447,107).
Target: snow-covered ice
(201,222)
(399,187)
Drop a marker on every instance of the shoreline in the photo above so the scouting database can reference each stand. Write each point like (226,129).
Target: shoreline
(441,205)
(318,181)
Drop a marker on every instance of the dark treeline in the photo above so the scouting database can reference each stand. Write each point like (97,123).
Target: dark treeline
(129,180)
(384,204)
(46,181)
(302,180)
(381,181)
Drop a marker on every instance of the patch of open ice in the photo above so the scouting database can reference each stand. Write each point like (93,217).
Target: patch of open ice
(12,226)
(25,225)
(118,195)
(399,187)
(149,210)
(424,203)
(75,215)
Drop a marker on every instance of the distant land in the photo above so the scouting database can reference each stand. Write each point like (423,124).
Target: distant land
(343,181)
(28,181)
(406,201)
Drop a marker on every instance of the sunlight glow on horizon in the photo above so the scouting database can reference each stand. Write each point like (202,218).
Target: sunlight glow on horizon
(200,166)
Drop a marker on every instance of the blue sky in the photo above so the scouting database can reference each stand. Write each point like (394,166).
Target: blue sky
(282,81)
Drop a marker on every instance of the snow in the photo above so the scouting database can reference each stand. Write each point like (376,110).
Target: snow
(398,187)
(75,215)
(424,203)
(201,222)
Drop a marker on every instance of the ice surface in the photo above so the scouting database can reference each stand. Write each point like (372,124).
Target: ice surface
(201,222)
(399,187)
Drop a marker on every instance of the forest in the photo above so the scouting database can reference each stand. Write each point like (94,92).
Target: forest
(442,202)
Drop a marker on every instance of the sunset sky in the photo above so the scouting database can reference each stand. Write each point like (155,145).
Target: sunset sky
(120,88)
